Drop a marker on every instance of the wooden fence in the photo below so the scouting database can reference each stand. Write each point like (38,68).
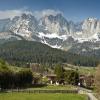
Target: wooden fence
(45,91)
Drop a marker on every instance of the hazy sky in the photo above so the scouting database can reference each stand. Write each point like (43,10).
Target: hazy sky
(72,9)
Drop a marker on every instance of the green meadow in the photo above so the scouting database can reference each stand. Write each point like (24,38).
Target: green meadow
(31,96)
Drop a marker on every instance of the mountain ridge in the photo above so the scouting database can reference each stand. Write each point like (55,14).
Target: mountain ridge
(53,30)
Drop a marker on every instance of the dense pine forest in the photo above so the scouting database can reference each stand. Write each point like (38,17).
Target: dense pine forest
(21,53)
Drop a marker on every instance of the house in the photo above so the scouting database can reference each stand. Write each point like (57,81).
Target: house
(89,80)
(52,78)
(86,80)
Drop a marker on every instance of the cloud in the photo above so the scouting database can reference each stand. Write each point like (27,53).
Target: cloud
(18,12)
(39,14)
(12,13)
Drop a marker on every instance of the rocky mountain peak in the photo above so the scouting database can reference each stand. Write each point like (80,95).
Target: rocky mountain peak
(52,29)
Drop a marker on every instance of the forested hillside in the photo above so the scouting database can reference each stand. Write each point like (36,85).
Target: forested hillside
(22,52)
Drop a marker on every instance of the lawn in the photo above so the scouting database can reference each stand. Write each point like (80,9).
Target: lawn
(30,96)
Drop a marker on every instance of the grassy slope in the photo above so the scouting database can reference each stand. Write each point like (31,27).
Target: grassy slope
(27,96)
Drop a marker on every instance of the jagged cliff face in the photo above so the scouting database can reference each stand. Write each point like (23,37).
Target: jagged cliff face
(24,25)
(89,30)
(55,24)
(91,26)
(53,30)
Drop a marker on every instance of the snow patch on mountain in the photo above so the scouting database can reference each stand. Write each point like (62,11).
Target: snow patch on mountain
(79,33)
(53,35)
(93,38)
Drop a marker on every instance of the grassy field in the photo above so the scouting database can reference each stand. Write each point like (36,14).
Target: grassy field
(16,69)
(87,70)
(27,96)
(81,69)
(52,87)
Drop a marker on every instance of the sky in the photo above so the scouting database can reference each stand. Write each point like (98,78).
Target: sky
(75,10)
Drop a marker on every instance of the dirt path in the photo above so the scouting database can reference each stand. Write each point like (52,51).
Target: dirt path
(91,96)
(88,93)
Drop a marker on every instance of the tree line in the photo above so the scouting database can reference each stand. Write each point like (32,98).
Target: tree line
(21,53)
(10,79)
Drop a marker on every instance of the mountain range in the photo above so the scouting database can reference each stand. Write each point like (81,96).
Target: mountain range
(54,30)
